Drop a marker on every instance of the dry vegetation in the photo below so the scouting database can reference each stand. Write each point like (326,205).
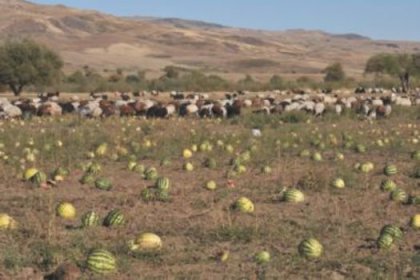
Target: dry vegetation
(104,41)
(195,224)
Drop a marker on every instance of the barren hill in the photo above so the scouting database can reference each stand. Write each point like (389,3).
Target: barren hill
(107,42)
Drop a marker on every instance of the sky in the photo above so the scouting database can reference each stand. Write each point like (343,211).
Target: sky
(378,19)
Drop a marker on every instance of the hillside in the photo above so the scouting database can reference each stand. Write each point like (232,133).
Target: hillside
(107,42)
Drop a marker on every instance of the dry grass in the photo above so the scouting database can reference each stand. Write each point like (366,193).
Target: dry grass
(231,51)
(196,224)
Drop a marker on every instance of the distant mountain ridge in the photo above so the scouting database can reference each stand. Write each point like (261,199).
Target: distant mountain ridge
(105,41)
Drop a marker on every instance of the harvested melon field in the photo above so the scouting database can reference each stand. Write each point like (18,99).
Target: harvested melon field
(299,198)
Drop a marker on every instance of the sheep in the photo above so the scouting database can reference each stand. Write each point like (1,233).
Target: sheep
(10,111)
(319,109)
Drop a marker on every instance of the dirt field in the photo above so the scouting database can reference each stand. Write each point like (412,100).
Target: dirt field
(196,224)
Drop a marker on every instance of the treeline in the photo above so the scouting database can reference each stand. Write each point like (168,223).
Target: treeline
(180,79)
(28,65)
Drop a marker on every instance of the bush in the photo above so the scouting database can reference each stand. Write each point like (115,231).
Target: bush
(334,73)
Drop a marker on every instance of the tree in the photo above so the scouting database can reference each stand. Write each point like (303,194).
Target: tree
(24,63)
(171,72)
(334,73)
(276,82)
(403,66)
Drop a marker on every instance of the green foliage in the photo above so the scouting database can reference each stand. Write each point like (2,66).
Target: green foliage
(276,82)
(24,63)
(171,72)
(403,66)
(334,73)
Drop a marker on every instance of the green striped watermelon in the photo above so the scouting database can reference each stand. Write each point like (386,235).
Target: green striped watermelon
(293,195)
(39,178)
(103,184)
(390,170)
(150,173)
(114,218)
(163,196)
(87,179)
(310,248)
(94,168)
(399,195)
(392,230)
(385,241)
(162,184)
(101,261)
(148,194)
(139,168)
(388,185)
(90,219)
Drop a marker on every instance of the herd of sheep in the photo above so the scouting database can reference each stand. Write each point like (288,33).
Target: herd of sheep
(164,105)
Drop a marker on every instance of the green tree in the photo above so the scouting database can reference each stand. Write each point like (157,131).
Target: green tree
(402,66)
(276,82)
(171,72)
(334,73)
(24,63)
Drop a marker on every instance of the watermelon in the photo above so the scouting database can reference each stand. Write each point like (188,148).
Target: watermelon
(148,194)
(316,156)
(165,162)
(139,168)
(388,185)
(61,171)
(360,148)
(415,200)
(210,163)
(103,184)
(416,155)
(101,149)
(90,219)
(87,179)
(29,173)
(392,230)
(262,257)
(162,184)
(293,195)
(66,210)
(266,169)
(244,205)
(305,153)
(390,170)
(385,241)
(131,165)
(163,195)
(7,222)
(310,248)
(114,218)
(94,168)
(235,161)
(146,242)
(399,195)
(101,261)
(39,178)
(150,173)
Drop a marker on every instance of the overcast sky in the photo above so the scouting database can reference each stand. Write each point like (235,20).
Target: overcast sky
(379,19)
